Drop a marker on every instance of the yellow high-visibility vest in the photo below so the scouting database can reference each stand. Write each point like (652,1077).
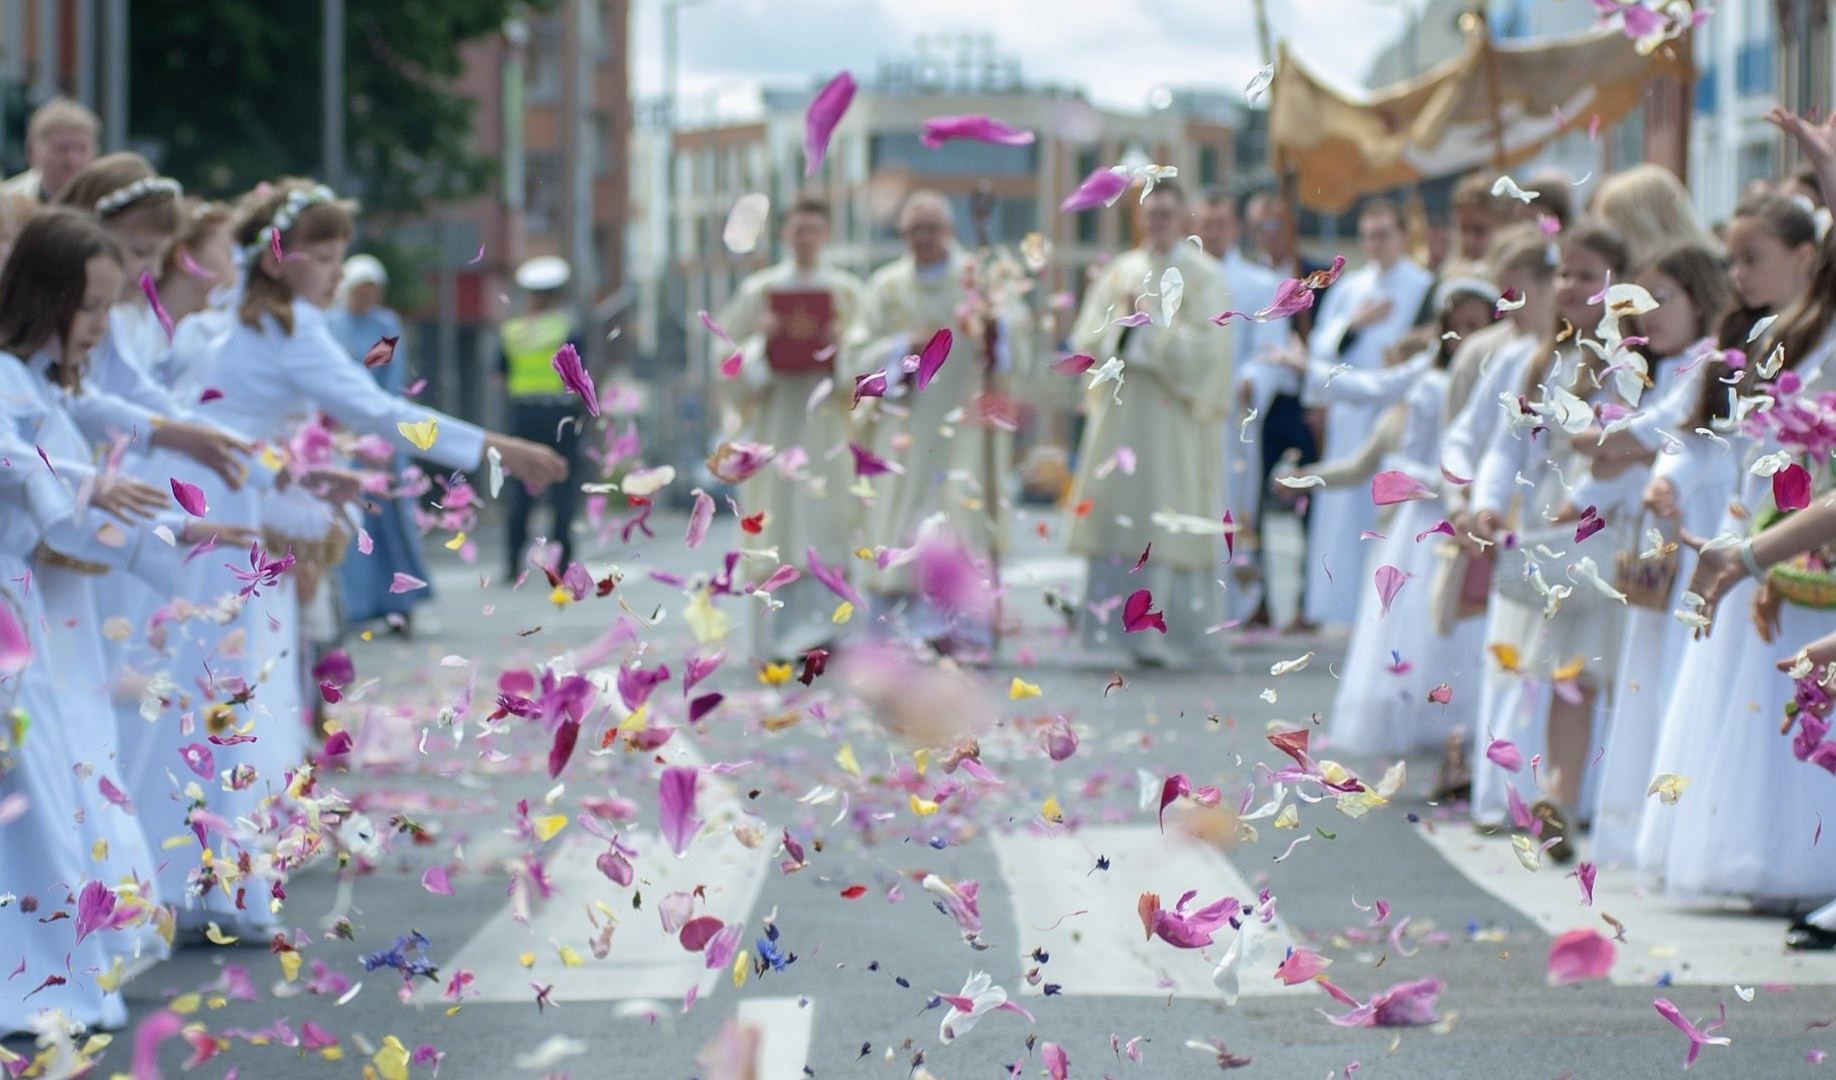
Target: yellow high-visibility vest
(530,343)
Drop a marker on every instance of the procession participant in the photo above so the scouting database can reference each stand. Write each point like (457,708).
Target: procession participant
(1690,288)
(790,325)
(277,367)
(140,210)
(937,434)
(359,321)
(1397,660)
(55,292)
(1553,636)
(1752,811)
(541,407)
(61,139)
(1651,210)
(1260,379)
(1367,311)
(1165,410)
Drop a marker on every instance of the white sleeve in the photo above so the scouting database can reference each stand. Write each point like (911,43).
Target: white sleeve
(1506,451)
(316,366)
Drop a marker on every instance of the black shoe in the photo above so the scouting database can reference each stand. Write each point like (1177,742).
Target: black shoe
(1807,937)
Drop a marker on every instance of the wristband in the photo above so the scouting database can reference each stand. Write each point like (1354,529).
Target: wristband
(1749,560)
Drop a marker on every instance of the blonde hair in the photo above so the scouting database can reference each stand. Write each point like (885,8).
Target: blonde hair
(331,219)
(1650,209)
(123,189)
(61,114)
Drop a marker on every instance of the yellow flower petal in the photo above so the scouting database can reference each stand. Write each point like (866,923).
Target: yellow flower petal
(570,958)
(775,674)
(708,623)
(99,850)
(1289,818)
(922,807)
(845,758)
(741,964)
(1020,689)
(1570,671)
(639,720)
(527,959)
(392,1060)
(546,827)
(1051,812)
(1668,787)
(843,612)
(421,433)
(921,758)
(457,542)
(110,980)
(1506,655)
(290,965)
(185,1004)
(560,597)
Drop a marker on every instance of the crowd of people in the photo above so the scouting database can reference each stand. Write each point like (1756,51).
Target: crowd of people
(184,432)
(1506,463)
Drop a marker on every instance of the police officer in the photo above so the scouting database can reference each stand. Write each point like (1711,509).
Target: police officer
(541,408)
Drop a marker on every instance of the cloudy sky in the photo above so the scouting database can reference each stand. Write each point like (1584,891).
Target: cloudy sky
(1117,50)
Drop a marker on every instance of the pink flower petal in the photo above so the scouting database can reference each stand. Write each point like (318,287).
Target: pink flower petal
(931,360)
(676,807)
(1791,488)
(1138,614)
(1301,966)
(941,129)
(381,353)
(436,880)
(697,932)
(873,385)
(1580,955)
(700,518)
(1698,1038)
(1390,488)
(1075,364)
(567,733)
(15,643)
(403,583)
(1100,188)
(568,365)
(1505,754)
(1389,582)
(1058,1065)
(867,463)
(825,113)
(151,289)
(190,498)
(1584,876)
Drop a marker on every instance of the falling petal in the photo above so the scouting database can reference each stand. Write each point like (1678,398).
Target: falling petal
(1389,582)
(941,129)
(1390,488)
(824,114)
(568,365)
(403,583)
(745,222)
(931,359)
(1101,188)
(1138,614)
(190,497)
(1579,955)
(1791,488)
(151,289)
(380,353)
(676,807)
(436,880)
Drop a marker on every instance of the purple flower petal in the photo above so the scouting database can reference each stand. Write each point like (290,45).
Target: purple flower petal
(568,365)
(941,129)
(1389,582)
(1791,488)
(676,807)
(151,289)
(436,880)
(1100,188)
(405,583)
(931,360)
(700,518)
(825,112)
(190,498)
(873,385)
(1138,614)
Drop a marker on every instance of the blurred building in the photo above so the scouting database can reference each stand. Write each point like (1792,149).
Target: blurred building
(554,110)
(681,265)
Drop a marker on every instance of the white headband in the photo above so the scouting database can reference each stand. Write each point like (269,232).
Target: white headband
(120,198)
(289,211)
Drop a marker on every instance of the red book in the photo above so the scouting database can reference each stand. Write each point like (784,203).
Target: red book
(801,343)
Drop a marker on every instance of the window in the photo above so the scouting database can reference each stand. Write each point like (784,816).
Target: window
(1753,68)
(543,193)
(1087,227)
(1207,166)
(544,59)
(902,150)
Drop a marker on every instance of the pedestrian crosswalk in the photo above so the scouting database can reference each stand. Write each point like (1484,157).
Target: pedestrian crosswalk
(1668,941)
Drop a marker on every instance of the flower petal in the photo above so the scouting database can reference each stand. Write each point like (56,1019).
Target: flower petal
(824,114)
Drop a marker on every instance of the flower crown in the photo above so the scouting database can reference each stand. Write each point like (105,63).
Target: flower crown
(123,197)
(289,211)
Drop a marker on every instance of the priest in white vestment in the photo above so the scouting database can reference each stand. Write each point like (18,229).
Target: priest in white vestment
(804,491)
(1150,464)
(950,439)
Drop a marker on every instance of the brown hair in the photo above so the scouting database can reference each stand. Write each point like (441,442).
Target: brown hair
(1474,192)
(265,293)
(157,210)
(43,283)
(809,204)
(202,219)
(1784,217)
(1704,278)
(61,114)
(1521,247)
(1385,206)
(1603,240)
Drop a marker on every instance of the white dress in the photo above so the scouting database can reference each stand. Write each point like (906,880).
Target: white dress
(1543,472)
(1338,519)
(1747,824)
(1382,704)
(271,382)
(1252,288)
(1703,473)
(34,411)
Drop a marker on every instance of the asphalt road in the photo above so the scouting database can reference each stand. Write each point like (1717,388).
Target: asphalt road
(1059,900)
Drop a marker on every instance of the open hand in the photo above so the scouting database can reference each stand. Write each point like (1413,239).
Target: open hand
(127,498)
(212,447)
(534,464)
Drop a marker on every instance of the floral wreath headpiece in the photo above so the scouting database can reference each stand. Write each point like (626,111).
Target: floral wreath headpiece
(297,203)
(123,197)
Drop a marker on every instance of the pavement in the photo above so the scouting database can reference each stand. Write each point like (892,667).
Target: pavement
(549,967)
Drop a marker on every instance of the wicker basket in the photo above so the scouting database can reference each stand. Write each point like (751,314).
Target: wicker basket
(1798,580)
(316,556)
(1647,583)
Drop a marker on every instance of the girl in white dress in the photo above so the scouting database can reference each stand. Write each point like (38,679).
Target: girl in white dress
(1746,825)
(1691,480)
(276,366)
(1395,660)
(1554,637)
(54,295)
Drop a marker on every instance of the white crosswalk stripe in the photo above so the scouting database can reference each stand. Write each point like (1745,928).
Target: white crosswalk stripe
(1696,944)
(1088,920)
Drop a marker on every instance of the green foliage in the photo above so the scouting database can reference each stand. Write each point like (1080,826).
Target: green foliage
(230,90)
